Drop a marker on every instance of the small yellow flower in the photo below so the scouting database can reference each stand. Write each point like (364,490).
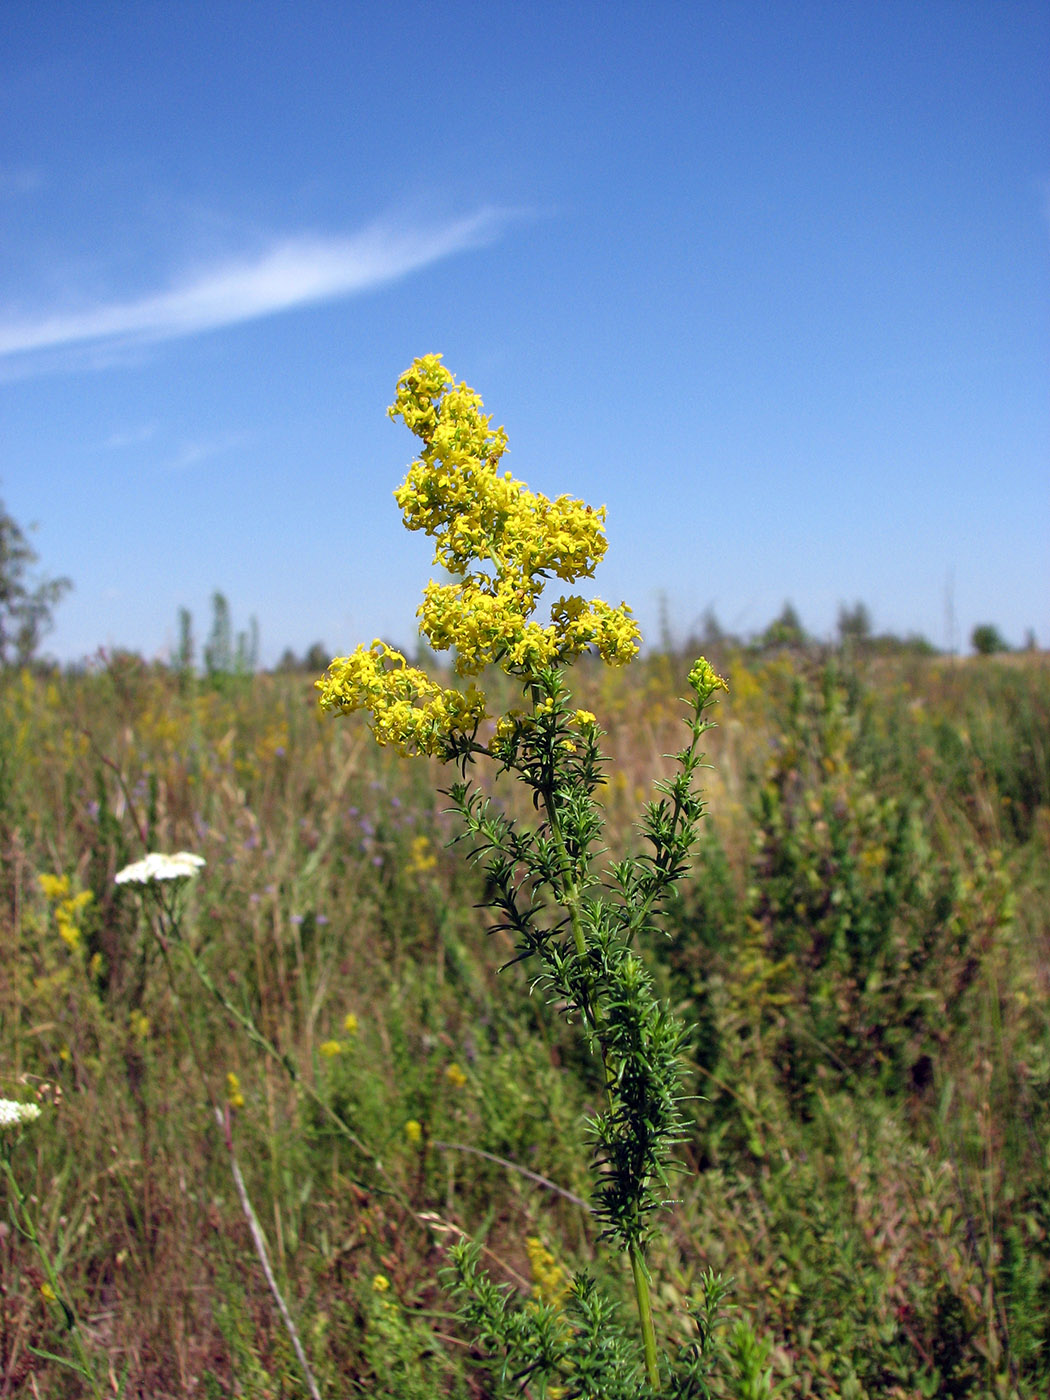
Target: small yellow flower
(54,887)
(584,718)
(48,1293)
(455,1076)
(350,1024)
(330,1048)
(234,1097)
(380,1284)
(67,930)
(422,858)
(413,1131)
(139,1023)
(68,908)
(550,1282)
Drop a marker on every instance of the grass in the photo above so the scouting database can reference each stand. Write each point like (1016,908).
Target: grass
(864,951)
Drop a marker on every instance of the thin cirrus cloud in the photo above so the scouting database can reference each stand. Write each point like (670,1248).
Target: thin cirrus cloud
(291,273)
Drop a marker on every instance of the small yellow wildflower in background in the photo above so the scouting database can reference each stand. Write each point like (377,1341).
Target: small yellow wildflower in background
(68,908)
(413,1131)
(55,887)
(48,1293)
(455,1076)
(500,542)
(350,1024)
(234,1097)
(139,1023)
(421,857)
(330,1048)
(380,1284)
(550,1282)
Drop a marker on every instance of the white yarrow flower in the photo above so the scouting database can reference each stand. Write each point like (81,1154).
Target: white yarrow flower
(13,1115)
(157,866)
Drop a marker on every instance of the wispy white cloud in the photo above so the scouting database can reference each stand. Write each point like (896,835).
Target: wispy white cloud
(290,273)
(129,437)
(202,449)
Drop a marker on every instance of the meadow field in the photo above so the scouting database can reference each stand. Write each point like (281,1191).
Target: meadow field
(862,950)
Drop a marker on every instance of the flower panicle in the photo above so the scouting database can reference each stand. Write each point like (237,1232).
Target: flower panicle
(501,543)
(409,710)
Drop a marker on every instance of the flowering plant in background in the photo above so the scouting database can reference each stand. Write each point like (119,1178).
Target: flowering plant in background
(155,874)
(156,866)
(14,1114)
(576,914)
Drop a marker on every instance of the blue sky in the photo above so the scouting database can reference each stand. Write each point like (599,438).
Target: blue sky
(771,281)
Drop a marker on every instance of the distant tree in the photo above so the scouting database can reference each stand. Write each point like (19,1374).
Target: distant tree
(317,658)
(712,634)
(224,656)
(218,650)
(246,658)
(25,604)
(854,624)
(664,623)
(186,648)
(314,660)
(986,639)
(785,630)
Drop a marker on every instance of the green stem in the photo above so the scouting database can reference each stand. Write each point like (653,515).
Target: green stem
(571,896)
(27,1228)
(645,1314)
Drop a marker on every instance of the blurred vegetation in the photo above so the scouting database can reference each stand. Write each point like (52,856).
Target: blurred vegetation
(26,599)
(864,951)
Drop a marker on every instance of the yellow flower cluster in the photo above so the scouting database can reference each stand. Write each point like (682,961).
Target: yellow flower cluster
(500,542)
(455,1076)
(408,709)
(705,680)
(67,907)
(138,1022)
(551,1283)
(422,856)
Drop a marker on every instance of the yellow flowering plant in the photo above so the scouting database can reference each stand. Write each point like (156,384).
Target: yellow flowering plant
(570,910)
(500,542)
